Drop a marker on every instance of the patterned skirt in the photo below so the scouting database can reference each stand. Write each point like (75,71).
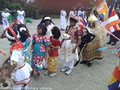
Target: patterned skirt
(37,63)
(52,64)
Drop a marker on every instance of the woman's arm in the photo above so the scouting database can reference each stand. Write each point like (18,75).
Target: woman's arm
(1,51)
(54,47)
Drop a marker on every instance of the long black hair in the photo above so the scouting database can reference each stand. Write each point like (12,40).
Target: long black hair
(56,32)
(43,27)
(23,32)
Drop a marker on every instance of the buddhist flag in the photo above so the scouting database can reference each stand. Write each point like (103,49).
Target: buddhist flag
(114,82)
(113,22)
(103,9)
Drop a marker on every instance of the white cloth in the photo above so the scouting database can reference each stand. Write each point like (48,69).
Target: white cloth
(4,19)
(70,14)
(45,63)
(63,19)
(17,87)
(80,13)
(66,50)
(20,87)
(119,85)
(69,65)
(21,75)
(49,28)
(21,16)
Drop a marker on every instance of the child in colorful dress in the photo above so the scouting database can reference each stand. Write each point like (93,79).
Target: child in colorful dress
(53,52)
(19,67)
(70,42)
(39,47)
(46,20)
(25,39)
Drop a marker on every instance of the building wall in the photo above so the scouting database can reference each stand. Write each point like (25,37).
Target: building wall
(54,6)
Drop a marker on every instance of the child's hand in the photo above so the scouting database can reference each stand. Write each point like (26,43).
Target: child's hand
(1,51)
(31,51)
(62,42)
(74,49)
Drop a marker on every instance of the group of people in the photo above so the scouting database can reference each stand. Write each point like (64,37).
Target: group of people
(6,13)
(44,48)
(66,22)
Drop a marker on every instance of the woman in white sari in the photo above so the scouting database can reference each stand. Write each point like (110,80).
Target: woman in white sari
(5,14)
(63,20)
(21,15)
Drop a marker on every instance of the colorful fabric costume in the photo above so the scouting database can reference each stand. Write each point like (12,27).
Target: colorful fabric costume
(23,69)
(68,45)
(90,52)
(53,54)
(39,51)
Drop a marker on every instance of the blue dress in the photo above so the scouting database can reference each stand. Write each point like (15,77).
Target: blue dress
(26,44)
(39,50)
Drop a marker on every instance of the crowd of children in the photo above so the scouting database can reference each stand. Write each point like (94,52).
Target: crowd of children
(44,48)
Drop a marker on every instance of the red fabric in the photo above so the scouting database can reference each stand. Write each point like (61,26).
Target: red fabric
(116,73)
(78,33)
(115,27)
(113,13)
(54,42)
(17,46)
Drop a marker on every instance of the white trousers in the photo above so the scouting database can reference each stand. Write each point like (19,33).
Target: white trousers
(69,64)
(20,87)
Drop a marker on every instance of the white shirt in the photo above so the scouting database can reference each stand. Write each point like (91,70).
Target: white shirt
(49,28)
(71,13)
(21,14)
(17,56)
(80,13)
(63,14)
(5,15)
